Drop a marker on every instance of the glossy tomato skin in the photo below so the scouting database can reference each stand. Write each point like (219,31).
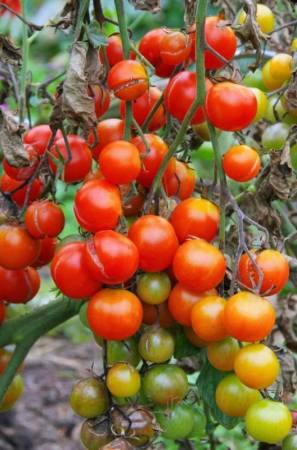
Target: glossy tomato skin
(39,137)
(275,269)
(143,105)
(153,288)
(114,50)
(8,184)
(2,312)
(199,265)
(108,130)
(241,163)
(268,421)
(44,219)
(128,80)
(111,257)
(221,354)
(257,366)
(234,398)
(120,162)
(89,398)
(181,301)
(97,205)
(207,318)
(195,217)
(114,314)
(182,182)
(94,437)
(248,317)
(123,380)
(47,252)
(70,274)
(220,38)
(156,242)
(175,48)
(23,173)
(17,248)
(80,164)
(239,101)
(180,93)
(176,422)
(156,345)
(18,286)
(101,98)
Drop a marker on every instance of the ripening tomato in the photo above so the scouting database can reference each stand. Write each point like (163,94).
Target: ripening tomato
(23,173)
(219,37)
(248,317)
(15,5)
(17,248)
(120,162)
(101,98)
(13,393)
(274,267)
(111,257)
(230,107)
(2,312)
(176,421)
(165,384)
(157,315)
(207,318)
(241,163)
(182,182)
(114,314)
(142,107)
(175,47)
(264,16)
(195,217)
(262,104)
(47,251)
(153,288)
(44,219)
(199,265)
(107,131)
(234,398)
(156,345)
(180,93)
(221,354)
(123,380)
(277,71)
(257,366)
(156,242)
(8,185)
(97,205)
(128,80)
(268,421)
(18,286)
(80,163)
(114,50)
(39,137)
(89,398)
(181,301)
(70,273)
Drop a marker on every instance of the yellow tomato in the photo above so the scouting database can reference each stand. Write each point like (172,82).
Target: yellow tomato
(265,18)
(294,45)
(262,104)
(277,71)
(123,380)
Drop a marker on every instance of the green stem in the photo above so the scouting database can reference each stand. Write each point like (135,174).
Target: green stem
(83,9)
(141,57)
(25,57)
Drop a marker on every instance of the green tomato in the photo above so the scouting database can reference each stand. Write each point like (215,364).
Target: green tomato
(199,427)
(123,351)
(202,130)
(95,434)
(203,160)
(275,136)
(278,112)
(156,345)
(293,156)
(268,421)
(153,288)
(290,443)
(89,398)
(176,422)
(255,80)
(13,393)
(83,315)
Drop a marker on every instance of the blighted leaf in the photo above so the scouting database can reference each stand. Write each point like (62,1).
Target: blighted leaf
(190,10)
(207,382)
(11,140)
(146,5)
(118,444)
(68,14)
(9,54)
(95,34)
(8,209)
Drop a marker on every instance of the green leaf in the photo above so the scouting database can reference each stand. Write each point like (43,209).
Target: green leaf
(95,34)
(183,347)
(207,382)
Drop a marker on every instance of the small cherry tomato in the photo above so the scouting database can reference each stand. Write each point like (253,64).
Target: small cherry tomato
(277,71)
(17,248)
(47,252)
(199,265)
(89,398)
(221,354)
(107,131)
(70,273)
(8,185)
(39,137)
(97,205)
(241,163)
(18,286)
(13,393)
(123,380)
(262,104)
(207,318)
(128,80)
(23,173)
(114,314)
(176,421)
(156,345)
(193,338)
(95,434)
(275,136)
(123,351)
(239,101)
(182,182)
(44,219)
(114,50)
(175,47)
(264,16)
(156,242)
(153,288)
(101,98)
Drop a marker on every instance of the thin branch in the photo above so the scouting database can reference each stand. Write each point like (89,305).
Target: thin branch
(31,25)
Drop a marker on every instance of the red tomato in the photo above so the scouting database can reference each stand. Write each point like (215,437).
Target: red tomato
(156,242)
(180,93)
(207,318)
(2,312)
(70,273)
(17,248)
(23,173)
(18,286)
(108,130)
(241,163)
(114,314)
(150,48)
(142,106)
(101,98)
(274,266)
(182,182)
(175,48)
(44,219)
(47,251)
(97,205)
(152,161)
(39,137)
(15,5)
(195,217)
(128,80)
(111,257)
(114,51)
(230,107)
(8,185)
(157,314)
(131,203)
(182,300)
(81,158)
(120,162)
(199,265)
(221,38)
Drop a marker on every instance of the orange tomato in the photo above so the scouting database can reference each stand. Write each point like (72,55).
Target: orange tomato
(207,318)
(241,163)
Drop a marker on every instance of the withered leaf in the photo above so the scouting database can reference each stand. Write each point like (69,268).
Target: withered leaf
(146,5)
(9,54)
(118,444)
(11,140)
(8,209)
(190,9)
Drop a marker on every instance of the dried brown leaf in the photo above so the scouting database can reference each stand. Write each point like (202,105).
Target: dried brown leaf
(9,54)
(190,9)
(146,5)
(8,210)
(11,140)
